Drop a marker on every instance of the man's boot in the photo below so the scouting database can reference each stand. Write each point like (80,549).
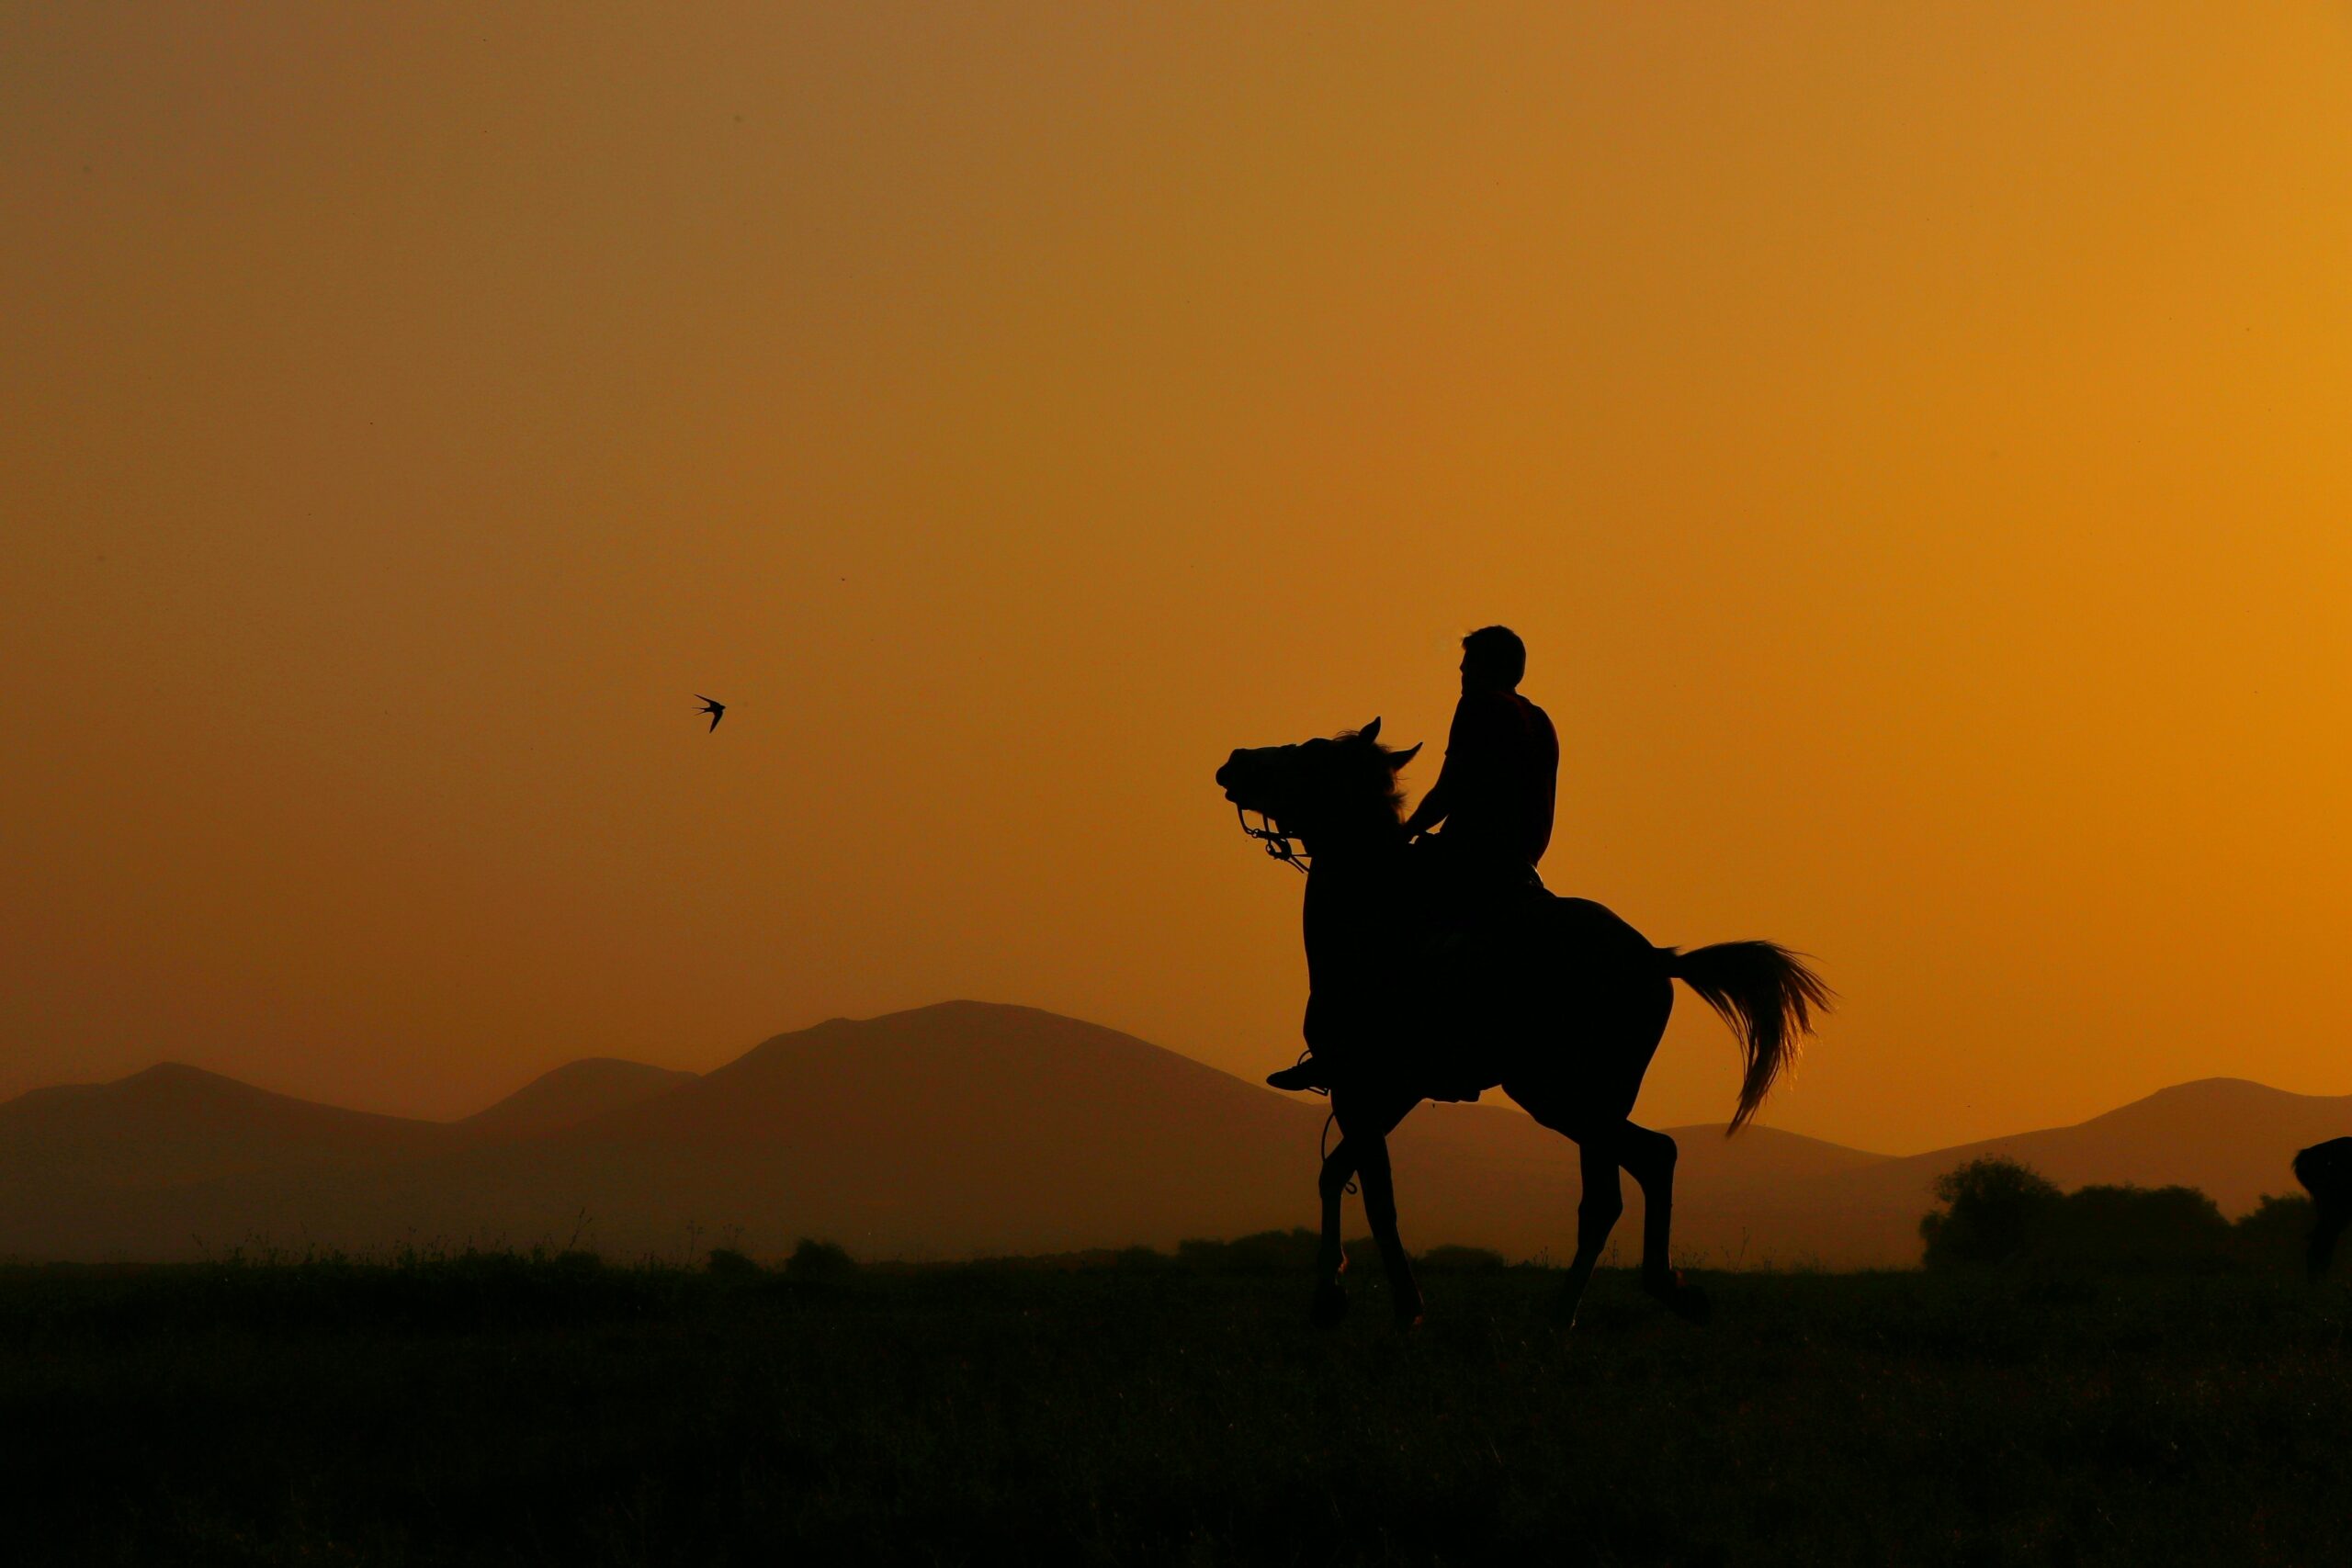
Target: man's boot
(1308,1073)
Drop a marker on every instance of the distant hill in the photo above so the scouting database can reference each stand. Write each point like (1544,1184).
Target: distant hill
(2227,1136)
(970,1128)
(173,1123)
(942,1131)
(84,1169)
(575,1092)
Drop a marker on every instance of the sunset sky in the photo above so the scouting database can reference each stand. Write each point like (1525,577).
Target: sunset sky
(1915,443)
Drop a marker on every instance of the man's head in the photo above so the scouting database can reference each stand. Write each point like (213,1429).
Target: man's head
(1493,660)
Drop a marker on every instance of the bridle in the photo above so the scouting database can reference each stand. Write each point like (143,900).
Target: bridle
(1278,843)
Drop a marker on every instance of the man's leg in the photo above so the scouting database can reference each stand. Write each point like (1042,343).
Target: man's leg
(1314,1069)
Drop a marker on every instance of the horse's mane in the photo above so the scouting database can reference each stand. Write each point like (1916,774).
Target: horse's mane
(1380,781)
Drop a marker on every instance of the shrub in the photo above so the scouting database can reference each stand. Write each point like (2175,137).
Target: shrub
(1461,1259)
(2139,1227)
(1140,1258)
(818,1262)
(2275,1233)
(726,1263)
(1994,1210)
(1267,1252)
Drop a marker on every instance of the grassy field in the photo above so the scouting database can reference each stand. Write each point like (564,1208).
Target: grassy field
(498,1409)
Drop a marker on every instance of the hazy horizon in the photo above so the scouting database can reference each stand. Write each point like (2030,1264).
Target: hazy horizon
(1495,1099)
(969,1129)
(1911,445)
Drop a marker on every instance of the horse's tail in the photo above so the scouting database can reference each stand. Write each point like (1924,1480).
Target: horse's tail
(1767,995)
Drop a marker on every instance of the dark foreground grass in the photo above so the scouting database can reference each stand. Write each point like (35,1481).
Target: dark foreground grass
(507,1410)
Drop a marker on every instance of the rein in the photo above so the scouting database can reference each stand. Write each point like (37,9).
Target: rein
(1282,847)
(1279,844)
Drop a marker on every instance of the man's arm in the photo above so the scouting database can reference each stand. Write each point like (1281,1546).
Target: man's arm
(1439,801)
(1430,811)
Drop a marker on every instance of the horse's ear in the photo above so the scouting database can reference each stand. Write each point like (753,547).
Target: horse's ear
(1398,758)
(1370,731)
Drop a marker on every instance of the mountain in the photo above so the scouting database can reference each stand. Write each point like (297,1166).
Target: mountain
(970,1128)
(84,1168)
(940,1131)
(575,1092)
(175,1124)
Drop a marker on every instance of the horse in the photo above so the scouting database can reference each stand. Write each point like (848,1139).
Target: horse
(2326,1171)
(1558,1002)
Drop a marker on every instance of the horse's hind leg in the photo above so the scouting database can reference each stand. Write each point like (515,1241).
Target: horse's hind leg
(1597,1160)
(1331,1258)
(1650,1157)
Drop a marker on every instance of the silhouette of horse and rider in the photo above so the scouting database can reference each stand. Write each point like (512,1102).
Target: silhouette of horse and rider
(1438,966)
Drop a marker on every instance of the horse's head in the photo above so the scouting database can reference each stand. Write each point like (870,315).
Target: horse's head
(1318,788)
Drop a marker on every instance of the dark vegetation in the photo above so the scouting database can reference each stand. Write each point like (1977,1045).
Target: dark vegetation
(1144,1407)
(1998,1212)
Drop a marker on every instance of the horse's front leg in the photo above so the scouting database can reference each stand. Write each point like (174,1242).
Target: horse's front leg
(1380,1211)
(1596,1213)
(1331,1258)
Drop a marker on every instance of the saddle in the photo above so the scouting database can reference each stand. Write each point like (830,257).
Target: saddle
(1458,969)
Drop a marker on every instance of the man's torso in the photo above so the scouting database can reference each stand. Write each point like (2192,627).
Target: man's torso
(1509,760)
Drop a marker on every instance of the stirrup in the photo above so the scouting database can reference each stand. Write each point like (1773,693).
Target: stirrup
(1306,1073)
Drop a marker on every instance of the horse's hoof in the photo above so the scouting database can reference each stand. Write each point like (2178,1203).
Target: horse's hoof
(1689,1303)
(1331,1305)
(1407,1322)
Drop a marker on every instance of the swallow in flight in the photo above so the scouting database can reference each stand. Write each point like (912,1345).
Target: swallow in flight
(718,710)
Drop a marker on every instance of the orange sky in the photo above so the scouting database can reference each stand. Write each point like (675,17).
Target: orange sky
(1912,442)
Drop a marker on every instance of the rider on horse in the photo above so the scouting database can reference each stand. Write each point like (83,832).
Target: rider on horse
(1494,798)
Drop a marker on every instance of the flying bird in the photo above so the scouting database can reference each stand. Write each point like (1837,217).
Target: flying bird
(718,710)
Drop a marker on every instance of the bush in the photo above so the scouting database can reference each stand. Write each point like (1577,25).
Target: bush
(1267,1252)
(1459,1259)
(726,1263)
(1293,1251)
(2274,1235)
(1140,1258)
(2139,1227)
(819,1263)
(1994,1211)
